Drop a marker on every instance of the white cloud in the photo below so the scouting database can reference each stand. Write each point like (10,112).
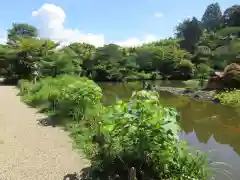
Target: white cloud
(3,37)
(158,15)
(136,41)
(50,19)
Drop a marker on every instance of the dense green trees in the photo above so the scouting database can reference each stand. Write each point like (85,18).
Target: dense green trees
(200,46)
(215,40)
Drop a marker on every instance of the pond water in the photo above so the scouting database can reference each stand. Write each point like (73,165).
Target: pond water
(212,128)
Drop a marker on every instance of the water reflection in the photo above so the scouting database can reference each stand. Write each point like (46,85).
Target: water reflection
(217,153)
(206,126)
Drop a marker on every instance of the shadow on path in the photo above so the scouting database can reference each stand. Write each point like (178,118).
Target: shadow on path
(83,175)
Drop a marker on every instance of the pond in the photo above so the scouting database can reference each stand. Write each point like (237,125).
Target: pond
(212,128)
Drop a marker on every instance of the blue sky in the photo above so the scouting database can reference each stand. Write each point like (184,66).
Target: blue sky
(117,21)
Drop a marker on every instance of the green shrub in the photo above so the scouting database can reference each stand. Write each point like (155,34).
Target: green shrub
(66,96)
(79,96)
(203,70)
(186,63)
(142,134)
(38,94)
(140,76)
(143,75)
(231,98)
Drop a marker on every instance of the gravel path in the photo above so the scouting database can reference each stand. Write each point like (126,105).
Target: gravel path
(29,151)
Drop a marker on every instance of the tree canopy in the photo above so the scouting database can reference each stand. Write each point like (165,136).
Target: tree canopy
(200,46)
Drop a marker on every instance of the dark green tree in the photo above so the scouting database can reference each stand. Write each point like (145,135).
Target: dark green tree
(58,63)
(212,17)
(107,60)
(190,31)
(85,53)
(231,16)
(21,30)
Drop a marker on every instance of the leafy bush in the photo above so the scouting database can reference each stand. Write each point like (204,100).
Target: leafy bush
(231,98)
(204,70)
(79,96)
(140,76)
(143,75)
(39,93)
(66,96)
(186,67)
(142,134)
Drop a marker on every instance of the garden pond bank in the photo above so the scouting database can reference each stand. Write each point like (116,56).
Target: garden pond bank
(213,128)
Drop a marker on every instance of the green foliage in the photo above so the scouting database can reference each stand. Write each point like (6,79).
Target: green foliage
(192,84)
(59,63)
(228,31)
(231,16)
(212,43)
(20,30)
(212,17)
(190,30)
(38,93)
(142,134)
(139,133)
(204,70)
(66,96)
(231,98)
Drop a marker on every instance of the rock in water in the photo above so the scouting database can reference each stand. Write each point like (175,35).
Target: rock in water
(229,78)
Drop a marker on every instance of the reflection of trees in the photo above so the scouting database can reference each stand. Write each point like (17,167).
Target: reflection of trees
(170,100)
(123,91)
(209,119)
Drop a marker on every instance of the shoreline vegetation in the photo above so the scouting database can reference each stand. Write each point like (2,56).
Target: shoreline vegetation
(136,138)
(138,135)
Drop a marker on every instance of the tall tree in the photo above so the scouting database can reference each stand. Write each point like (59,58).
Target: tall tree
(21,30)
(107,60)
(190,31)
(231,16)
(212,17)
(58,63)
(85,54)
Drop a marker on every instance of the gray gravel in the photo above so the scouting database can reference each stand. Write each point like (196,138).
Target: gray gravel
(29,151)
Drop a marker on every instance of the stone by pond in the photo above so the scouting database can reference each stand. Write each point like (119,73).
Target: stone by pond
(212,128)
(195,94)
(205,95)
